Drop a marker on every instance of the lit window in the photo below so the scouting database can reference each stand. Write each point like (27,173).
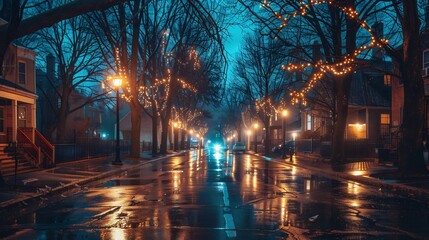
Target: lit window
(356,131)
(385,118)
(21,73)
(387,80)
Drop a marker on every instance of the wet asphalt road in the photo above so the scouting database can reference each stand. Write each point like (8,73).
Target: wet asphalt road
(208,195)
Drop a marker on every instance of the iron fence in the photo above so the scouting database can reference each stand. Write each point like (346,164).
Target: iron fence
(87,148)
(353,148)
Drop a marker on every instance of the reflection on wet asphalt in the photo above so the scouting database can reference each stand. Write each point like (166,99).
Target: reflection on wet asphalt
(207,195)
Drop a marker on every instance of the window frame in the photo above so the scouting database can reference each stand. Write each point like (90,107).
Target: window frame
(384,116)
(24,74)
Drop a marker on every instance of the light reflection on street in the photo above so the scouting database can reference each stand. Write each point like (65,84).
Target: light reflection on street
(117,233)
(222,196)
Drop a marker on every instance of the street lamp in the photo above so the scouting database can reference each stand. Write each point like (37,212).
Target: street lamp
(284,115)
(255,126)
(117,82)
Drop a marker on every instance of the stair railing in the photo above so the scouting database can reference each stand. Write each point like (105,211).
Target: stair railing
(29,148)
(46,147)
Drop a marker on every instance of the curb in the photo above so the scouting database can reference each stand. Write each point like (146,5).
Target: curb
(68,186)
(408,191)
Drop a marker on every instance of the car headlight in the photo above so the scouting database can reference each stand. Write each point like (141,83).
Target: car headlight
(217,147)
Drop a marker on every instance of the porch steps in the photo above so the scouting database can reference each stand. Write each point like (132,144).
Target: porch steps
(7,161)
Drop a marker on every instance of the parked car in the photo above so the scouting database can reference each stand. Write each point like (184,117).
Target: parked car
(194,144)
(238,147)
(289,148)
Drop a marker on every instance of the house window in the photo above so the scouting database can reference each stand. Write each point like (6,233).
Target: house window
(387,80)
(385,118)
(21,73)
(309,122)
(425,59)
(356,131)
(384,125)
(2,120)
(22,117)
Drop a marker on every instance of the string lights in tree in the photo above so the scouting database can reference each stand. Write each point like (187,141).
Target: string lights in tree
(155,95)
(267,107)
(120,73)
(184,116)
(320,69)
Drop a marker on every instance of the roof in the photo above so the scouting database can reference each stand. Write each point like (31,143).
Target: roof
(7,83)
(368,88)
(365,91)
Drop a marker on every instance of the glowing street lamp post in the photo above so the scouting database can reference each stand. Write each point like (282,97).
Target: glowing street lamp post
(255,126)
(117,82)
(284,115)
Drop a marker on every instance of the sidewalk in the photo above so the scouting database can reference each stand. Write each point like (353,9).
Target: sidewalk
(366,172)
(65,176)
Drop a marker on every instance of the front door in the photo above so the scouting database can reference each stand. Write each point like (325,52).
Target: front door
(22,117)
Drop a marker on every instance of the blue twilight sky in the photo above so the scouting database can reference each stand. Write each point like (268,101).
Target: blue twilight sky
(233,46)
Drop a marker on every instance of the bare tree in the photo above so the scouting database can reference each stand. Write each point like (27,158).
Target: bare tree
(118,32)
(336,25)
(261,78)
(409,59)
(231,114)
(80,66)
(18,26)
(188,47)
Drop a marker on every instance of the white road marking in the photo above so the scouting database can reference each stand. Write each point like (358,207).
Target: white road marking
(229,219)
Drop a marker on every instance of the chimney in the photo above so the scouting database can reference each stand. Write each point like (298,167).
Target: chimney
(50,67)
(317,56)
(378,30)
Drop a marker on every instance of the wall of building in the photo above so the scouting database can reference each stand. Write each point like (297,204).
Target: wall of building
(12,58)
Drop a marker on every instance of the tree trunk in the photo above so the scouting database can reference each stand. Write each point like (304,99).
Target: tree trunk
(342,104)
(267,142)
(136,112)
(411,159)
(182,139)
(342,89)
(3,48)
(166,119)
(135,126)
(164,135)
(154,134)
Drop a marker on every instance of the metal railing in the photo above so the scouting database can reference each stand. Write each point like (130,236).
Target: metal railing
(353,148)
(46,147)
(84,148)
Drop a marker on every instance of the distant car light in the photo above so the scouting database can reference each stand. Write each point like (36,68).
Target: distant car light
(217,156)
(217,147)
